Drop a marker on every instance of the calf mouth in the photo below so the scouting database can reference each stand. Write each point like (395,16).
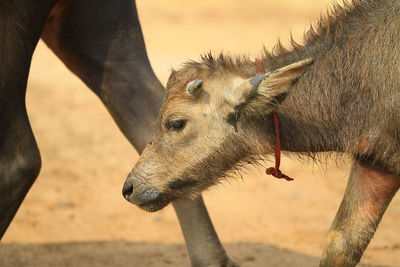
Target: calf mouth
(153,206)
(149,200)
(152,199)
(146,197)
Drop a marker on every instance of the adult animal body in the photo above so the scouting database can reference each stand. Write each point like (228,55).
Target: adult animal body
(102,43)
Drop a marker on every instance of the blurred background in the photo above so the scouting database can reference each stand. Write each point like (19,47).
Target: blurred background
(75,214)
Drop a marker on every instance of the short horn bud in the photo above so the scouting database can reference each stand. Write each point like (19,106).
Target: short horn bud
(194,86)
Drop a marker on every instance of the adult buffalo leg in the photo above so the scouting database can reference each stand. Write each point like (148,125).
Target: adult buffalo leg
(101,42)
(20,27)
(367,196)
(201,239)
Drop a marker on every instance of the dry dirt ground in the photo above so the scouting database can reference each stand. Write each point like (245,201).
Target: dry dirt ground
(75,215)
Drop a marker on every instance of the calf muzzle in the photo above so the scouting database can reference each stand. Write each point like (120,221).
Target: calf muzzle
(147,198)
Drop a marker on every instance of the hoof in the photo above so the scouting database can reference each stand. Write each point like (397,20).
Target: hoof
(226,263)
(231,263)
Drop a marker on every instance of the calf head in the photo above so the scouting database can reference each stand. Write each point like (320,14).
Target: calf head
(204,131)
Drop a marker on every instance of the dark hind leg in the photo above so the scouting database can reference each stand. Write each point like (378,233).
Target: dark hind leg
(20,27)
(367,196)
(101,42)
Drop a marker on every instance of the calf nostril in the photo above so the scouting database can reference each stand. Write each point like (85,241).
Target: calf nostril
(127,190)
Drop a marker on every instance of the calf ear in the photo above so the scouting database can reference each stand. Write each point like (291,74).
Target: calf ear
(258,92)
(279,81)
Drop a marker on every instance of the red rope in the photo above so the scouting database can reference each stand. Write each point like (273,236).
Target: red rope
(274,171)
(260,66)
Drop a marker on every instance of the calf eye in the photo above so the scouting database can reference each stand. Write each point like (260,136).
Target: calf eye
(176,125)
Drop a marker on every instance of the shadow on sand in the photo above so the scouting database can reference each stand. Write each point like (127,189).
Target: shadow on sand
(122,254)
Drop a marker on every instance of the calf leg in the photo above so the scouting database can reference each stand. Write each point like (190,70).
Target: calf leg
(20,27)
(102,43)
(367,196)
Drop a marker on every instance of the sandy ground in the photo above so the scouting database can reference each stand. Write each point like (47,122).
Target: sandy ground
(75,215)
